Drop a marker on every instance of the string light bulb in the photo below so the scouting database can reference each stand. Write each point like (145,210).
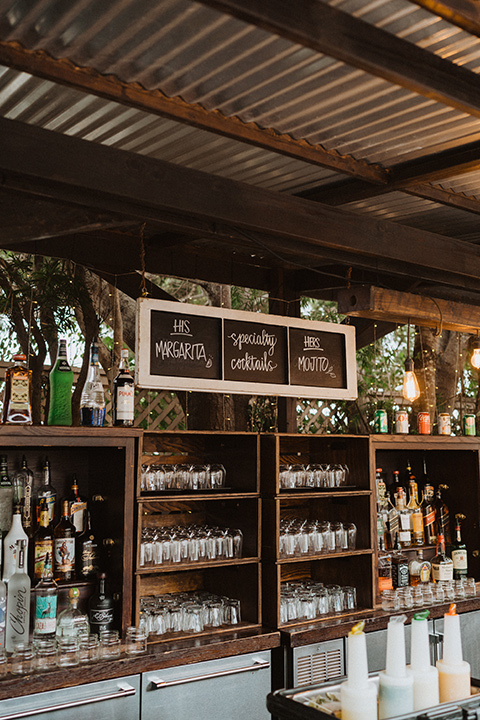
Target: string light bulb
(475,356)
(411,388)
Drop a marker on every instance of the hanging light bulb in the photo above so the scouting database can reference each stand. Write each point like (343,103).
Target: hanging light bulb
(411,388)
(475,356)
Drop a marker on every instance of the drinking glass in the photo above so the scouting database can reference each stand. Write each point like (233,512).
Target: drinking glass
(89,649)
(284,477)
(351,530)
(217,476)
(68,651)
(470,587)
(21,662)
(109,644)
(45,654)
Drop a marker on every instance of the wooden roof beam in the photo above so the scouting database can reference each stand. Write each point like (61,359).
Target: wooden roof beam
(32,160)
(464,14)
(335,33)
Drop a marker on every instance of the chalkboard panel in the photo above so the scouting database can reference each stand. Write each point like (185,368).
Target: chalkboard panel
(190,347)
(185,345)
(254,352)
(317,358)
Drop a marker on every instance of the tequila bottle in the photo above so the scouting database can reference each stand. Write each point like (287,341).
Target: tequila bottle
(71,622)
(78,507)
(61,382)
(17,407)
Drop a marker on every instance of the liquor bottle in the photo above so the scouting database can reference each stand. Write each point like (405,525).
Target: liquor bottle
(61,382)
(384,568)
(47,492)
(379,480)
(100,607)
(71,622)
(46,595)
(404,519)
(458,551)
(418,537)
(123,394)
(399,566)
(77,506)
(10,545)
(382,512)
(429,513)
(87,552)
(64,547)
(17,626)
(92,403)
(408,475)
(6,497)
(17,406)
(419,569)
(442,565)
(442,516)
(24,480)
(42,542)
(397,483)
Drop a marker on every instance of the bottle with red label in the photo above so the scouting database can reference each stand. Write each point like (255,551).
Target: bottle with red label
(123,394)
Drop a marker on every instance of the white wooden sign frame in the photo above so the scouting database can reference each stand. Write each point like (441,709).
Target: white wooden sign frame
(145,379)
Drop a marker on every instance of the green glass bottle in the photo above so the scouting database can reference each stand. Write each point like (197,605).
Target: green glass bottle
(61,381)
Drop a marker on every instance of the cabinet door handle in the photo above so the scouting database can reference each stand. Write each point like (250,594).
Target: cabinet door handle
(124,691)
(158,683)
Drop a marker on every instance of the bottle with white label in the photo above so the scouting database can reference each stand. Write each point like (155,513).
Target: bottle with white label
(18,603)
(64,547)
(15,533)
(123,394)
(442,565)
(404,519)
(46,594)
(459,551)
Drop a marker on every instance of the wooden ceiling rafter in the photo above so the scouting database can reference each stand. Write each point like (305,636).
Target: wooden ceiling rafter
(464,14)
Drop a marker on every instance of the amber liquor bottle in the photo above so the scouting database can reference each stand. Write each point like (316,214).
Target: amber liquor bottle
(42,542)
(442,516)
(442,565)
(429,513)
(64,547)
(400,575)
(17,403)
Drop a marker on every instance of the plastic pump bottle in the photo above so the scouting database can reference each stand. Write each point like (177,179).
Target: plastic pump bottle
(358,694)
(425,676)
(453,671)
(395,682)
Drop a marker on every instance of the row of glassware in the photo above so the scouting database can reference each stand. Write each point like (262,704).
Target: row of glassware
(69,651)
(189,543)
(187,612)
(322,475)
(406,598)
(183,476)
(312,537)
(309,599)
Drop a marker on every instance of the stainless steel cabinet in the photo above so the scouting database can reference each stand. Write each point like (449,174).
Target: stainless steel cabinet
(235,688)
(117,699)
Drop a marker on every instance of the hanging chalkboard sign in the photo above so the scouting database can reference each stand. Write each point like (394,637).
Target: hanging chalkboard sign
(191,347)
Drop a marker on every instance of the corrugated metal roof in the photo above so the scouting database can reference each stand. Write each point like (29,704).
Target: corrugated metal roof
(191,51)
